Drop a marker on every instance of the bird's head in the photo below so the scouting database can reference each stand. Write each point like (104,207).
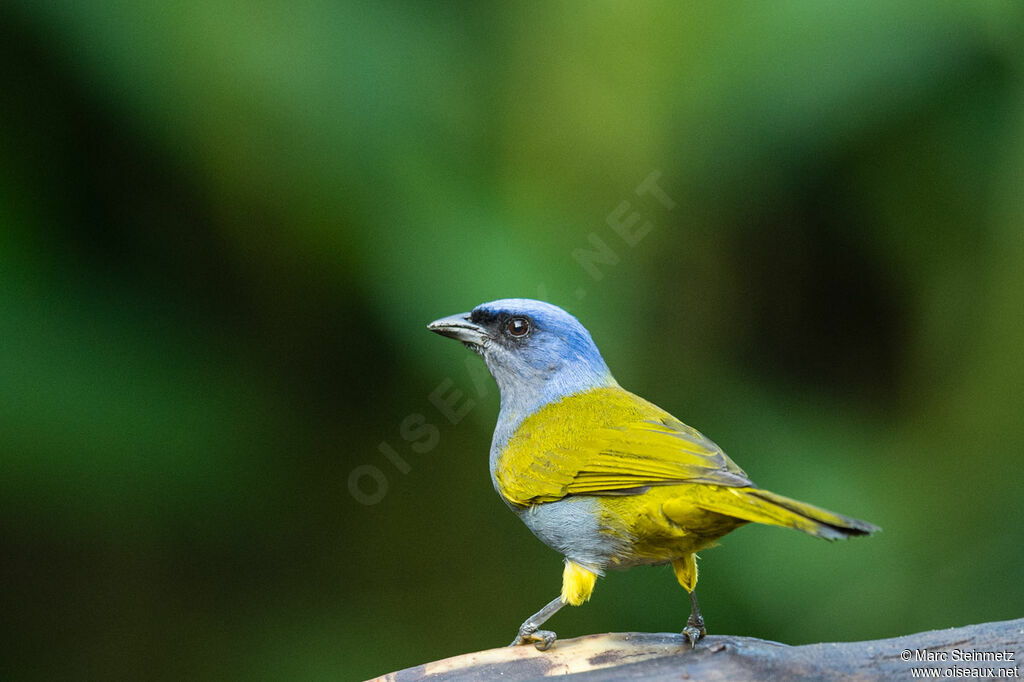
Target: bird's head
(535,351)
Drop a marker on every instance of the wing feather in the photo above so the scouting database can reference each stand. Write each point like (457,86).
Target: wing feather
(607,441)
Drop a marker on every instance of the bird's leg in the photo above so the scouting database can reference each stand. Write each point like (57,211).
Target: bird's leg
(686,573)
(694,629)
(528,631)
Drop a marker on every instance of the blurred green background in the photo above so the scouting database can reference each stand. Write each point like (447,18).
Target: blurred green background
(225,225)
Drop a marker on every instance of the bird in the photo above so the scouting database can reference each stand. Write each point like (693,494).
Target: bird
(601,475)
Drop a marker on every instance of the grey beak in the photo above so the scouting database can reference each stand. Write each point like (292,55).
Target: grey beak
(459,327)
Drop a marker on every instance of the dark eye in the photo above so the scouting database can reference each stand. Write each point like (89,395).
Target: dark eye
(517,326)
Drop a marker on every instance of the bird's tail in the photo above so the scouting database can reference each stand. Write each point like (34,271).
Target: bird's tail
(762,506)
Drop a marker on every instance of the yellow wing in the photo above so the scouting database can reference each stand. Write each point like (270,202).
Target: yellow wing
(607,442)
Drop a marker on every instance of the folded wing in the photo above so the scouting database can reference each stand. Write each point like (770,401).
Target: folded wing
(607,442)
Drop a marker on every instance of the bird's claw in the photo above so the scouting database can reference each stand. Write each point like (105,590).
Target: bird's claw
(542,639)
(694,630)
(692,634)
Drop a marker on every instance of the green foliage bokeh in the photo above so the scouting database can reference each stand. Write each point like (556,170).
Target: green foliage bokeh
(224,226)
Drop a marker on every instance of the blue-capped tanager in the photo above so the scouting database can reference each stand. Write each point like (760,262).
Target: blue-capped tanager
(601,475)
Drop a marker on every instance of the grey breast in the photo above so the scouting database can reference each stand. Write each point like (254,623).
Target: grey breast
(572,526)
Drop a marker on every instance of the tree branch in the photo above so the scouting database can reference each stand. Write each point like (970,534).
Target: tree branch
(990,647)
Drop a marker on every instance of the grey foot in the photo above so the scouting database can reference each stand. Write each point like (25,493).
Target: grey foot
(542,639)
(694,630)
